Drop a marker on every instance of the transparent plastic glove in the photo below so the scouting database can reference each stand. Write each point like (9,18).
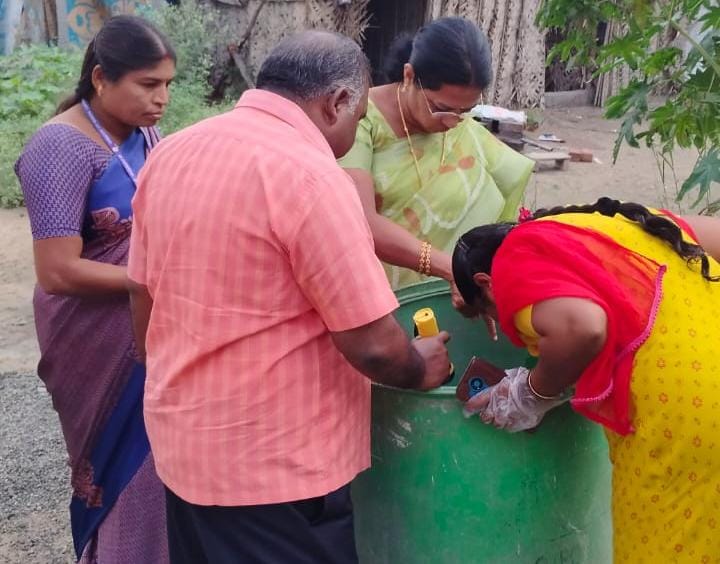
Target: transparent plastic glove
(510,404)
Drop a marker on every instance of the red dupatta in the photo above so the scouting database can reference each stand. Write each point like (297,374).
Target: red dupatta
(541,260)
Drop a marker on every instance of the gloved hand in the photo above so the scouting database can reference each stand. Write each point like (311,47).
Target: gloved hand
(510,404)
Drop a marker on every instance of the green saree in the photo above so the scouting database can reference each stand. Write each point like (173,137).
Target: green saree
(481,181)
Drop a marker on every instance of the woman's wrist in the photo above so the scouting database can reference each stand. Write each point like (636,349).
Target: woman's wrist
(425,259)
(433,262)
(441,265)
(539,389)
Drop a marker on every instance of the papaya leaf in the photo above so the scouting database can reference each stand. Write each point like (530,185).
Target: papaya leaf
(627,132)
(690,114)
(659,61)
(705,173)
(626,48)
(711,20)
(632,96)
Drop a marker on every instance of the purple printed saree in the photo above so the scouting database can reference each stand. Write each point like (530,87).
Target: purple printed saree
(74,187)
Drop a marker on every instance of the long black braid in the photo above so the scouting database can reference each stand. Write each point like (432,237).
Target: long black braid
(655,225)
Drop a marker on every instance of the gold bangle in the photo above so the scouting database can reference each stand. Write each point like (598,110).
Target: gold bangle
(536,393)
(421,262)
(424,262)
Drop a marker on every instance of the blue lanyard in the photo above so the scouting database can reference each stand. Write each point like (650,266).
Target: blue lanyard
(114,149)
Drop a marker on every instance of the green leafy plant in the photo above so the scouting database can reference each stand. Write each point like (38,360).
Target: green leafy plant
(33,79)
(13,136)
(192,29)
(187,106)
(649,36)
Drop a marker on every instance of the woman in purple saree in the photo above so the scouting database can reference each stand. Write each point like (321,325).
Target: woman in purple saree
(78,175)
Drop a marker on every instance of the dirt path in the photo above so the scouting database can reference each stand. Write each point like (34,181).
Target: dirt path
(34,524)
(635,176)
(18,348)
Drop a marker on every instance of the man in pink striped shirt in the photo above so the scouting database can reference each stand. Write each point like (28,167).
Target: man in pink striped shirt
(263,309)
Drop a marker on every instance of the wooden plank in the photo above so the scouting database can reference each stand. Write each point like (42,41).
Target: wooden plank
(61,10)
(547,155)
(558,157)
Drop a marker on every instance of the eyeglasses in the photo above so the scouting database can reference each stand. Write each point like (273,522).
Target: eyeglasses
(447,118)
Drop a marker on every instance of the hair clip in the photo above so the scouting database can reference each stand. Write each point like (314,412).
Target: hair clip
(463,245)
(524,215)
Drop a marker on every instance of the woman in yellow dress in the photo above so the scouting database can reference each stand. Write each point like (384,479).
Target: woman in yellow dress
(620,305)
(425,172)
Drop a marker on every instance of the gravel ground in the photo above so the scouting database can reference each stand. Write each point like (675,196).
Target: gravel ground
(34,476)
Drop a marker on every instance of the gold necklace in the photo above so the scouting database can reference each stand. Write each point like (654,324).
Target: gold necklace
(410,144)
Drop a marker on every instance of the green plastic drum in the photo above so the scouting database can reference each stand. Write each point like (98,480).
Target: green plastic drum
(445,489)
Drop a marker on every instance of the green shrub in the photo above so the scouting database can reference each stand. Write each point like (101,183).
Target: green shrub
(13,136)
(192,30)
(34,79)
(187,107)
(32,82)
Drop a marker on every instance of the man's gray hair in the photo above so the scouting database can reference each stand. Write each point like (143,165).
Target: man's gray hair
(312,64)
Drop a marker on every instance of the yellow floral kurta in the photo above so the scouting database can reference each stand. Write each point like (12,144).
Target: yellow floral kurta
(666,475)
(481,180)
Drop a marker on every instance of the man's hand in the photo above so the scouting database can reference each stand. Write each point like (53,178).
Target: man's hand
(383,352)
(435,355)
(140,307)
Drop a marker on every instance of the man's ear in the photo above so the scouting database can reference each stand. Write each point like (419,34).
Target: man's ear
(482,280)
(334,104)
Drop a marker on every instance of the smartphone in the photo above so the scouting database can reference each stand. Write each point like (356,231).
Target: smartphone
(478,376)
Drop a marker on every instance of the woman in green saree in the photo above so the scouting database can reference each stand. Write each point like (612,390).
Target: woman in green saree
(425,172)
